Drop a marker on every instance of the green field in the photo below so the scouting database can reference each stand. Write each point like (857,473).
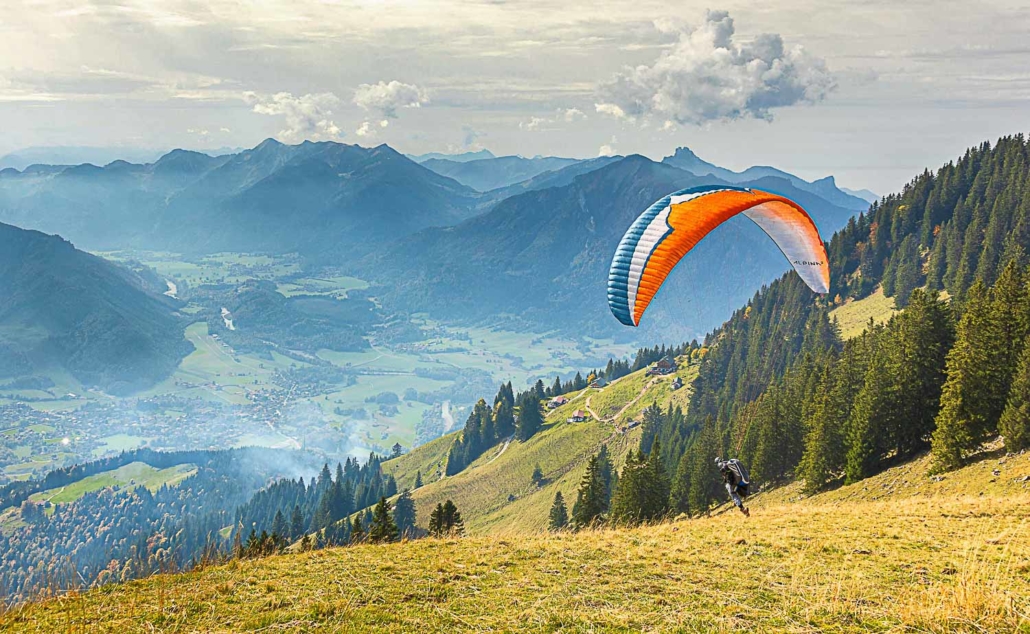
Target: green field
(853,317)
(215,372)
(337,286)
(119,442)
(136,474)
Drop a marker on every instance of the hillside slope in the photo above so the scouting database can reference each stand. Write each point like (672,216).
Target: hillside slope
(62,307)
(940,562)
(496,494)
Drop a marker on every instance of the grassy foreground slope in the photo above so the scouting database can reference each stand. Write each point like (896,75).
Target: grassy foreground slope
(939,558)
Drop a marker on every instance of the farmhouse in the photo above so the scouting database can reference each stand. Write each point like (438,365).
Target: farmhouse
(666,365)
(677,383)
(578,416)
(557,402)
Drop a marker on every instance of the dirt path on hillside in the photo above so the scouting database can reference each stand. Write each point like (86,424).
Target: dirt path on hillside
(622,411)
(507,442)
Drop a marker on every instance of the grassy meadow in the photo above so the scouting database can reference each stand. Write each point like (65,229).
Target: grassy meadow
(948,558)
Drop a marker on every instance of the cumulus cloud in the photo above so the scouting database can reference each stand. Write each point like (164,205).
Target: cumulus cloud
(534,123)
(306,116)
(572,114)
(386,98)
(611,110)
(706,76)
(608,149)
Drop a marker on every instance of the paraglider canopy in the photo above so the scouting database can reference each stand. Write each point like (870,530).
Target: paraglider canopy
(661,236)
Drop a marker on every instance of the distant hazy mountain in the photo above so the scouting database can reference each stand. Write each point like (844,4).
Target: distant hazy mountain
(460,157)
(71,155)
(541,258)
(493,173)
(310,198)
(864,194)
(65,309)
(825,188)
(314,198)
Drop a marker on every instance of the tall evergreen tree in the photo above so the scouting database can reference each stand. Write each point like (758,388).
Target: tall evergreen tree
(1015,420)
(530,418)
(296,523)
(968,399)
(404,514)
(383,529)
(559,516)
(592,497)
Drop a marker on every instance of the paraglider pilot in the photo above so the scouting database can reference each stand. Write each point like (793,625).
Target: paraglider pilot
(734,476)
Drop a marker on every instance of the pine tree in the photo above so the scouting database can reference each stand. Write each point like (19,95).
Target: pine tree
(357,532)
(538,475)
(383,529)
(591,498)
(404,514)
(418,479)
(964,420)
(559,516)
(436,521)
(452,522)
(296,523)
(1015,420)
(279,528)
(530,418)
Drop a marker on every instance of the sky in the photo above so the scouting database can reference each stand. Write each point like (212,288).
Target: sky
(871,92)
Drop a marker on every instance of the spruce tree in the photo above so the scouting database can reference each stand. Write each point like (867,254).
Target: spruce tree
(383,529)
(418,479)
(279,527)
(628,500)
(964,420)
(1015,420)
(404,514)
(530,418)
(357,532)
(559,516)
(436,521)
(591,502)
(538,475)
(296,523)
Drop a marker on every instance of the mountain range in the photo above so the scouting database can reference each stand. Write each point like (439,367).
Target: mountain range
(493,173)
(333,197)
(540,259)
(66,309)
(826,188)
(426,234)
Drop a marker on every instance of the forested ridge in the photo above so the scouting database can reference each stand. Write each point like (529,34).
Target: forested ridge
(238,503)
(780,389)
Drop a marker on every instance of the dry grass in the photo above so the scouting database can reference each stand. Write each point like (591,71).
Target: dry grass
(899,565)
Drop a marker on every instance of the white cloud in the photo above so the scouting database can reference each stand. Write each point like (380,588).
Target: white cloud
(608,149)
(365,130)
(387,98)
(306,117)
(706,76)
(572,114)
(224,130)
(534,123)
(611,110)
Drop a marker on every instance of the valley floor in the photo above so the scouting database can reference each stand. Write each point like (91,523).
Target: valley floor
(950,559)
